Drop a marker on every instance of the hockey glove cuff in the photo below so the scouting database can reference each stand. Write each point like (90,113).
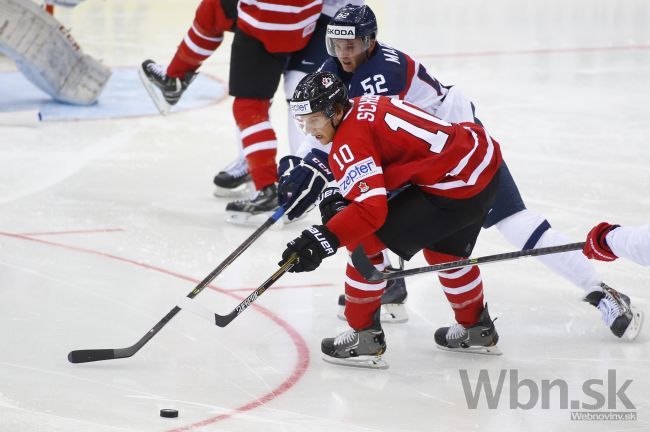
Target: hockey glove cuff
(301,182)
(331,202)
(314,244)
(596,245)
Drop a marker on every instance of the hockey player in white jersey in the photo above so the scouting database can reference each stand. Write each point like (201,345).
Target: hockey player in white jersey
(607,242)
(368,66)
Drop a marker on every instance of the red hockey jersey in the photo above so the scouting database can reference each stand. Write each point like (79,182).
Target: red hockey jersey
(283,26)
(383,144)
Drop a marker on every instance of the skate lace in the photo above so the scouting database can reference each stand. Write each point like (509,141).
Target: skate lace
(456,331)
(345,337)
(609,309)
(237,168)
(157,69)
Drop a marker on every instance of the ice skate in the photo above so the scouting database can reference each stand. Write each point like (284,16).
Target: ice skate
(255,210)
(164,90)
(623,319)
(393,310)
(481,338)
(233,180)
(363,348)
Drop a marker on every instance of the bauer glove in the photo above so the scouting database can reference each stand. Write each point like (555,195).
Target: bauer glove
(314,244)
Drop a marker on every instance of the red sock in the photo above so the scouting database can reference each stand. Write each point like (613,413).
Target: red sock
(463,288)
(258,139)
(363,298)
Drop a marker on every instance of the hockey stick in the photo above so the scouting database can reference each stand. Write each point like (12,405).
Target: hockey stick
(368,270)
(224,320)
(91,355)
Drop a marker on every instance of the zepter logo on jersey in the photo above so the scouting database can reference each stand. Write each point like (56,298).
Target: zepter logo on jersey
(341,32)
(357,172)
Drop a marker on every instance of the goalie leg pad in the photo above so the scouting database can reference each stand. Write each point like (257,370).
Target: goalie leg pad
(47,55)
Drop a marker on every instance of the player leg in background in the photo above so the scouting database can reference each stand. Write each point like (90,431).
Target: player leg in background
(254,77)
(234,179)
(393,309)
(166,85)
(364,344)
(527,230)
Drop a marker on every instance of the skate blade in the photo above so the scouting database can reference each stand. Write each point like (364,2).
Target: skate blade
(252,220)
(366,362)
(244,189)
(634,328)
(390,314)
(483,350)
(155,94)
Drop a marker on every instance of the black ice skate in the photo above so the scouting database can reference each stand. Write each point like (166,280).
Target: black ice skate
(363,348)
(256,210)
(233,180)
(619,315)
(393,310)
(481,338)
(164,90)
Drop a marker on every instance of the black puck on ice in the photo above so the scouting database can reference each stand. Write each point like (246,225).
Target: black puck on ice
(168,413)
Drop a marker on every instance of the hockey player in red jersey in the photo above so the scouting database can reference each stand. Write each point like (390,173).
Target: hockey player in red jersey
(265,33)
(368,66)
(449,175)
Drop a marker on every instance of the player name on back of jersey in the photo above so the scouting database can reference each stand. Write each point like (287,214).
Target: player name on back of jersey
(367,107)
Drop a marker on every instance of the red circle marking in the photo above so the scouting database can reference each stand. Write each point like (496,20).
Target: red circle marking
(299,342)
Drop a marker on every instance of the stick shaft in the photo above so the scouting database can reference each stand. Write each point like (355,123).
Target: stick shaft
(368,271)
(91,355)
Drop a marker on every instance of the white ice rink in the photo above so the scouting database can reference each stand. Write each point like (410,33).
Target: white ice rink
(104,224)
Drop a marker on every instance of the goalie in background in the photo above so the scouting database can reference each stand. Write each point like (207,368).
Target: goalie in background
(46,53)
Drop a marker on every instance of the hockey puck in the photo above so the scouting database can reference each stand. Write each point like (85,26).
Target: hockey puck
(168,413)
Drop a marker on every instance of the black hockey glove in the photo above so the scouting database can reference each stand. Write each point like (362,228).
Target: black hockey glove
(314,244)
(331,202)
(301,180)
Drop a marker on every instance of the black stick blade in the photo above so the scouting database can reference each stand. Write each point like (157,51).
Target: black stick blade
(91,355)
(224,320)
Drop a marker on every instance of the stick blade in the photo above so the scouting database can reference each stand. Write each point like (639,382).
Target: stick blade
(91,355)
(224,320)
(364,266)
